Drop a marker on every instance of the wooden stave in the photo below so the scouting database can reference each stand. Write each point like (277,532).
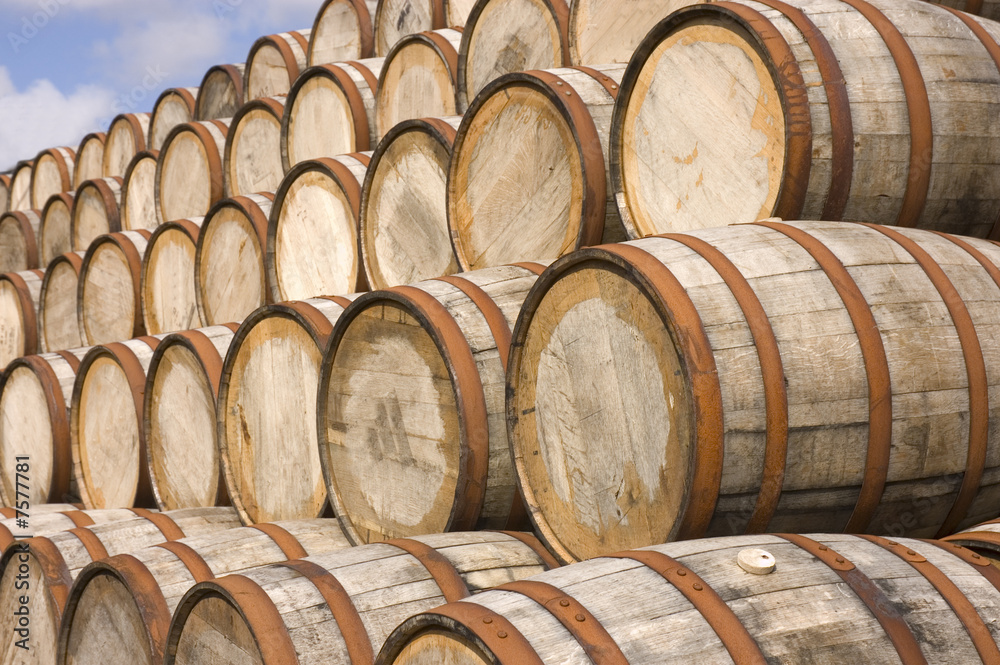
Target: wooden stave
(138,127)
(20,186)
(48,519)
(110,192)
(64,159)
(272,106)
(75,261)
(90,142)
(214,152)
(390,29)
(126,243)
(127,223)
(4,192)
(366,31)
(28,224)
(27,285)
(292,46)
(983,538)
(575,25)
(156,135)
(47,248)
(235,75)
(190,228)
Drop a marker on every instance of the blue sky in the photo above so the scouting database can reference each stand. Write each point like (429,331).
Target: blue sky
(68,66)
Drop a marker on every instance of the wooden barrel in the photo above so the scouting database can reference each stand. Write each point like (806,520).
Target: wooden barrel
(221,93)
(55,233)
(51,564)
(273,64)
(19,232)
(411,407)
(983,538)
(741,354)
(45,519)
(126,136)
(555,196)
(4,193)
(418,79)
(96,211)
(342,30)
(404,215)
(53,173)
(312,233)
(89,162)
(397,19)
(189,176)
(823,145)
(138,209)
(810,599)
(179,417)
(20,186)
(125,602)
(505,36)
(109,304)
(330,111)
(602,33)
(339,607)
(58,323)
(267,410)
(168,296)
(34,422)
(19,298)
(252,156)
(230,280)
(174,106)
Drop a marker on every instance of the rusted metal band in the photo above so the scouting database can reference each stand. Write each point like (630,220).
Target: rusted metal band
(263,619)
(536,546)
(444,48)
(506,643)
(28,234)
(606,81)
(138,135)
(143,588)
(918,111)
(560,11)
(29,318)
(340,300)
(78,518)
(740,644)
(72,360)
(283,48)
(772,377)
(53,566)
(364,158)
(980,635)
(695,348)
(310,318)
(984,537)
(444,130)
(367,75)
(876,370)
(975,365)
(577,619)
(214,157)
(352,628)
(169,528)
(488,308)
(8,513)
(62,458)
(195,564)
(95,548)
(883,609)
(207,355)
(347,181)
(286,542)
(359,115)
(536,268)
(445,575)
(302,42)
(977,561)
(470,398)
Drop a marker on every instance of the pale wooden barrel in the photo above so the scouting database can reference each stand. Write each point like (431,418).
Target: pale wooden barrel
(53,173)
(812,142)
(230,280)
(252,156)
(505,36)
(138,209)
(411,407)
(793,346)
(109,306)
(602,33)
(4,192)
(125,137)
(124,603)
(58,323)
(986,8)
(404,216)
(53,562)
(339,607)
(89,162)
(396,19)
(312,233)
(342,30)
(19,297)
(179,418)
(174,106)
(19,232)
(55,233)
(554,197)
(983,538)
(20,186)
(221,93)
(267,410)
(330,111)
(828,598)
(96,211)
(45,519)
(273,64)
(34,421)
(168,296)
(189,176)
(418,79)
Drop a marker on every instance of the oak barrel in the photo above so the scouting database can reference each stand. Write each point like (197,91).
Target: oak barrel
(252,155)
(273,64)
(125,137)
(96,211)
(89,163)
(58,323)
(19,231)
(221,93)
(108,296)
(397,19)
(55,232)
(20,186)
(138,208)
(4,192)
(19,298)
(603,32)
(982,538)
(189,175)
(53,173)
(174,106)
(342,30)
(168,287)
(45,519)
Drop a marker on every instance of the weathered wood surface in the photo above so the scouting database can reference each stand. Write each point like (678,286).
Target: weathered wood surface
(53,562)
(108,295)
(411,407)
(20,186)
(169,301)
(873,416)
(312,233)
(89,163)
(311,620)
(124,603)
(252,156)
(221,93)
(138,208)
(53,173)
(45,519)
(343,30)
(404,215)
(983,538)
(55,233)
(230,280)
(179,418)
(601,32)
(19,298)
(397,19)
(125,137)
(190,175)
(273,64)
(521,185)
(19,231)
(4,192)
(829,599)
(331,111)
(988,9)
(267,411)
(58,323)
(418,79)
(174,106)
(96,211)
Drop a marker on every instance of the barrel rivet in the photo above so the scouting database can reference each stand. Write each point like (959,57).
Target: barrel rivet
(580,617)
(487,620)
(564,602)
(823,548)
(682,572)
(911,553)
(614,86)
(558,82)
(697,587)
(568,93)
(501,634)
(976,556)
(840,559)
